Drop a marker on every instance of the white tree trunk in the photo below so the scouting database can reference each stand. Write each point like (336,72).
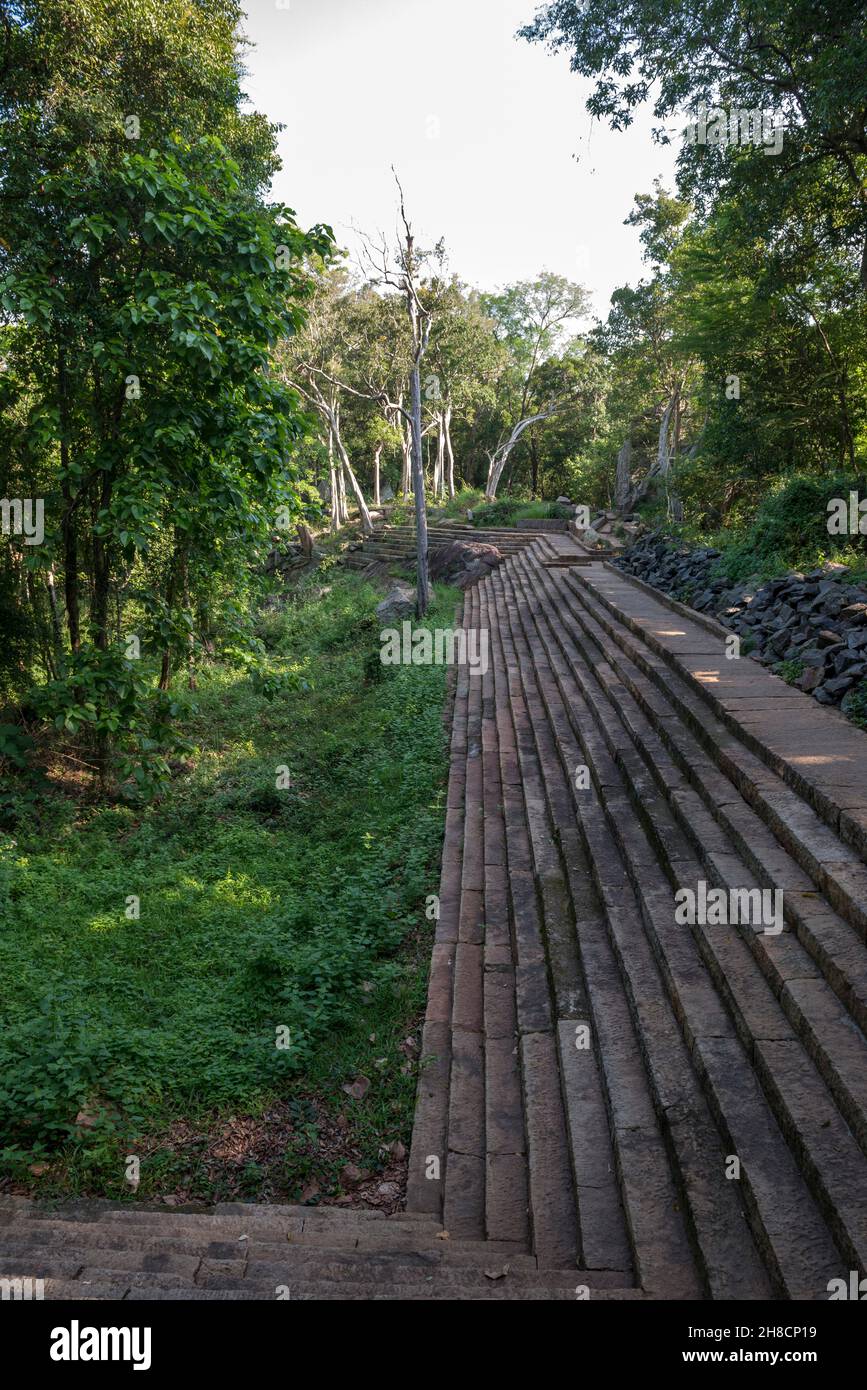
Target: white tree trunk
(663,453)
(422,575)
(499,459)
(660,468)
(333,486)
(439,486)
(376,457)
(449,451)
(366,523)
(406,468)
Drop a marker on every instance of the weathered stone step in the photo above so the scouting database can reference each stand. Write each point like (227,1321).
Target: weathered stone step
(545,938)
(493,1269)
(74,1290)
(696,1002)
(115,1290)
(271,1266)
(832,942)
(487,923)
(816,751)
(657,1235)
(464,1192)
(429,1145)
(735,973)
(833,1041)
(830,1153)
(834,865)
(551,1194)
(87,1210)
(728,1257)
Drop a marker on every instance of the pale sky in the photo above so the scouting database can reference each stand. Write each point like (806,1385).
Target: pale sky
(488,133)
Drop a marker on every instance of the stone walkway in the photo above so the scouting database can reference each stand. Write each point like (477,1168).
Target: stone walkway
(684,1107)
(612,1104)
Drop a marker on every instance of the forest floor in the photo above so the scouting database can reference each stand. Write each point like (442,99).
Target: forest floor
(253,1032)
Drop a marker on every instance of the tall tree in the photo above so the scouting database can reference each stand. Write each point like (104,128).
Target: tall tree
(143,287)
(803,62)
(532,319)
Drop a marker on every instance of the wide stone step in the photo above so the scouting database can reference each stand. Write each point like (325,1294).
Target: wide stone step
(835,945)
(739,843)
(429,1145)
(731,967)
(528,1057)
(464,1194)
(609,1228)
(835,865)
(273,1266)
(816,751)
(728,1258)
(76,1290)
(767,1025)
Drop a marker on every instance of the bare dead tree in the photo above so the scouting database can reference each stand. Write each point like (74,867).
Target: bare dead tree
(500,457)
(330,413)
(402,273)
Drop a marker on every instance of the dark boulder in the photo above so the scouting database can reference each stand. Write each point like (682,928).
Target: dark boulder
(463,562)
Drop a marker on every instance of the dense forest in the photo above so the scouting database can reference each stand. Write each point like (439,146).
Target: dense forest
(185,370)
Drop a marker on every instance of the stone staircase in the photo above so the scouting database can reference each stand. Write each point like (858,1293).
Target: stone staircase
(101,1250)
(393,547)
(611,1105)
(709,1140)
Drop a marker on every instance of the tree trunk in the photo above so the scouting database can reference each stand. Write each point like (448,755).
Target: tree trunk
(449,451)
(498,460)
(534,467)
(55,618)
(439,487)
(622,480)
(376,457)
(406,467)
(367,524)
(340,479)
(41,628)
(663,454)
(101,574)
(333,485)
(166,663)
(423,576)
(71,597)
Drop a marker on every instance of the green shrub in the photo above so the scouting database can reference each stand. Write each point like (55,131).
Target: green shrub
(790,531)
(495,514)
(854,704)
(790,671)
(511,510)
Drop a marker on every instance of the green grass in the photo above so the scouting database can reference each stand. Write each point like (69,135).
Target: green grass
(260,908)
(509,511)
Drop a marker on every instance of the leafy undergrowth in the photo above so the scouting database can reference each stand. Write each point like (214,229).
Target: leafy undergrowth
(787,531)
(510,511)
(280,886)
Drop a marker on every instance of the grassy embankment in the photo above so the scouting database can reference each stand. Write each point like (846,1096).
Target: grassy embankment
(261,909)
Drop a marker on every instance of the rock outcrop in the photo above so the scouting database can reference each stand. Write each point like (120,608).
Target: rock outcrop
(462,563)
